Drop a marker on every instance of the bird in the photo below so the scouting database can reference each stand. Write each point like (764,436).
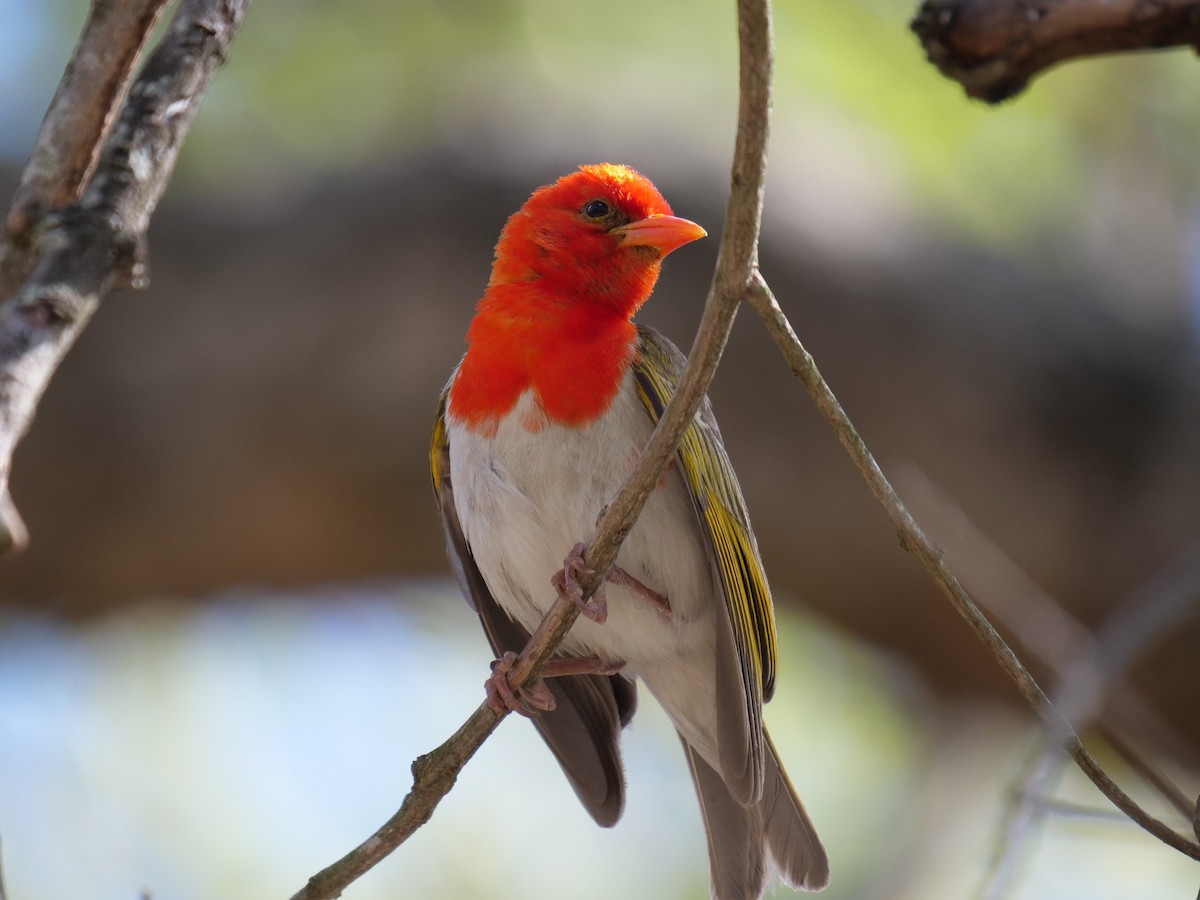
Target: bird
(539,425)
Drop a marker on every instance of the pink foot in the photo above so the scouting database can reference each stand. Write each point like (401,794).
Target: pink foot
(532,699)
(566,582)
(528,701)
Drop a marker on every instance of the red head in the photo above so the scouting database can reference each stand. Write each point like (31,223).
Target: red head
(597,234)
(572,266)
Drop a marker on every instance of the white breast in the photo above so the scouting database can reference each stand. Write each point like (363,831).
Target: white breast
(526,497)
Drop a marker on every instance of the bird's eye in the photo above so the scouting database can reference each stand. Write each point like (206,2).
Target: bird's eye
(596,209)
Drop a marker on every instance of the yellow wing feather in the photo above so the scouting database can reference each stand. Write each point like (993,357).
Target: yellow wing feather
(718,499)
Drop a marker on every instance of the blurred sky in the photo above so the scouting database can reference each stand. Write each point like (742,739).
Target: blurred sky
(231,750)
(30,64)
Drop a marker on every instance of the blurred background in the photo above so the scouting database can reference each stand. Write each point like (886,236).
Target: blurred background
(234,628)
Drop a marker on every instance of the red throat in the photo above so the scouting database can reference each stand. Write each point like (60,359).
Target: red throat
(572,267)
(572,357)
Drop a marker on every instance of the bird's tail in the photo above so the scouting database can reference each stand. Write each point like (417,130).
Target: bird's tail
(740,837)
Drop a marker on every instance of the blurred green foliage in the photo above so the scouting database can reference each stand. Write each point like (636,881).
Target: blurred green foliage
(314,86)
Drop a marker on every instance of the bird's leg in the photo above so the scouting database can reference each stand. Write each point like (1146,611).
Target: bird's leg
(581,665)
(535,698)
(617,575)
(566,582)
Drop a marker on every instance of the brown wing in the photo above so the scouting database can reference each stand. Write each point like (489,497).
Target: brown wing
(590,710)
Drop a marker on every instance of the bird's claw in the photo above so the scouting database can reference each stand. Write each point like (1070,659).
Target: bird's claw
(528,700)
(536,697)
(566,582)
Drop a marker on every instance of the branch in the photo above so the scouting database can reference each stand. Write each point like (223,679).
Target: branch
(1150,772)
(94,246)
(994,47)
(1041,625)
(913,539)
(434,773)
(1025,813)
(1089,669)
(80,113)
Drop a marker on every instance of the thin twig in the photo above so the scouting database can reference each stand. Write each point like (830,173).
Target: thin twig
(993,48)
(1150,772)
(1147,615)
(1087,668)
(1055,637)
(434,774)
(913,539)
(1023,816)
(95,245)
(1037,621)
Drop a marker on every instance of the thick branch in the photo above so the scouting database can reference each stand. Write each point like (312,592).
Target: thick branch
(94,246)
(913,539)
(434,774)
(995,47)
(82,109)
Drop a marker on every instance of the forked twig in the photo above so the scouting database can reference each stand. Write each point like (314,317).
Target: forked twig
(1089,669)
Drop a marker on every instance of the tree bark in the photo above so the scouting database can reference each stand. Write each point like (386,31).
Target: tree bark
(993,48)
(83,252)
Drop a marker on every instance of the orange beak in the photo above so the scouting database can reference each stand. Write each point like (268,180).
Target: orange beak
(666,233)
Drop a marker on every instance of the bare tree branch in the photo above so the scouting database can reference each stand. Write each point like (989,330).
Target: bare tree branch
(993,48)
(913,539)
(434,774)
(64,153)
(80,113)
(94,246)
